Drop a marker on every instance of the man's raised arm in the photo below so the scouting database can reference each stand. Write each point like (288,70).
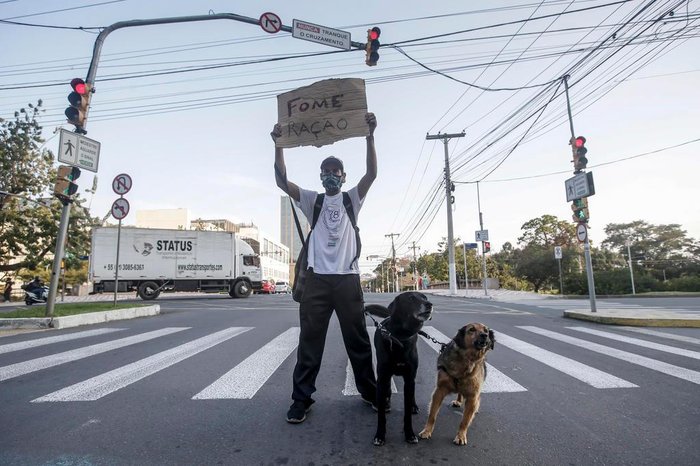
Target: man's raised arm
(371,173)
(281,170)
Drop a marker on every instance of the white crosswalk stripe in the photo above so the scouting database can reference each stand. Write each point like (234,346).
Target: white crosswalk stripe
(109,382)
(22,345)
(639,342)
(496,381)
(653,364)
(656,333)
(21,368)
(350,387)
(244,380)
(575,369)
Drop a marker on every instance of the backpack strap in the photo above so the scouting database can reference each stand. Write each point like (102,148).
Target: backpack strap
(351,214)
(317,209)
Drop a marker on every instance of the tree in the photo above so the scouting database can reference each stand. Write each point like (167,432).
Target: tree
(28,223)
(548,230)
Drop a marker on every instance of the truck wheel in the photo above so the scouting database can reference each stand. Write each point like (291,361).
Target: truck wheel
(241,289)
(148,291)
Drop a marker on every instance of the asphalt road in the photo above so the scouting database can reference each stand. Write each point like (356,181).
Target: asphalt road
(209,382)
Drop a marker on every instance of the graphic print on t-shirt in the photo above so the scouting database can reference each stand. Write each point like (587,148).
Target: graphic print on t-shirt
(332,217)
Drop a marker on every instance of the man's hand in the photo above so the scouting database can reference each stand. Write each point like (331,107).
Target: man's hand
(371,122)
(277,132)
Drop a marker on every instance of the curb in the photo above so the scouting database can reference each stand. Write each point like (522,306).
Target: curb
(87,318)
(634,321)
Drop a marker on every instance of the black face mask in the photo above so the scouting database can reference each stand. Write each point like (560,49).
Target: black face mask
(331,182)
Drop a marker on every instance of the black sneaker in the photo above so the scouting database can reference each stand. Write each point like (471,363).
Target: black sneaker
(374,405)
(297,412)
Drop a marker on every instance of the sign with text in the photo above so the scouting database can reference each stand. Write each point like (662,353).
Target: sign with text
(322,113)
(321,34)
(579,186)
(78,151)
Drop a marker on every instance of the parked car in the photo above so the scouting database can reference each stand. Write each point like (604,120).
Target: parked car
(282,287)
(267,286)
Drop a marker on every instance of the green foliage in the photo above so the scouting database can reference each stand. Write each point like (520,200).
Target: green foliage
(29,217)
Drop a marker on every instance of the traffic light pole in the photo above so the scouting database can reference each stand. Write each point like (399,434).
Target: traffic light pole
(586,243)
(448,201)
(483,249)
(58,256)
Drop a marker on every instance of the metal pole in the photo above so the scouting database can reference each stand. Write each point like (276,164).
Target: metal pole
(586,244)
(629,258)
(448,202)
(561,280)
(483,253)
(466,278)
(58,255)
(116,266)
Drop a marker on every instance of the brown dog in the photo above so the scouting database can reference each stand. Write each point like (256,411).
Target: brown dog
(462,370)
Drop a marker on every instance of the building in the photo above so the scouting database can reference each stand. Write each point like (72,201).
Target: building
(174,219)
(288,229)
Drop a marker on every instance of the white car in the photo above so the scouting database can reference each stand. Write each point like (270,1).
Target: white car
(282,287)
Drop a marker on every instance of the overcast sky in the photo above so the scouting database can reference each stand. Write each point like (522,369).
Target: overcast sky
(200,139)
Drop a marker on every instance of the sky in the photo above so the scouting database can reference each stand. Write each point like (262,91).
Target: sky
(199,138)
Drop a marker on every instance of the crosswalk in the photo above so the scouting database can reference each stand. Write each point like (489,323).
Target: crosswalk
(245,379)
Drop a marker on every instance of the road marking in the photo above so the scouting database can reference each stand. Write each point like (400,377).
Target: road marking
(575,369)
(21,368)
(496,381)
(670,336)
(350,386)
(638,342)
(109,382)
(22,345)
(653,364)
(244,380)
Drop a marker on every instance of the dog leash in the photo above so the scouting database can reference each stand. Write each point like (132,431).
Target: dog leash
(387,334)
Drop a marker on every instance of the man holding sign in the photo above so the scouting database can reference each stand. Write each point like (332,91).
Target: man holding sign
(333,280)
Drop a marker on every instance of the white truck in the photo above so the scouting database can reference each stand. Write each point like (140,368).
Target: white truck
(155,260)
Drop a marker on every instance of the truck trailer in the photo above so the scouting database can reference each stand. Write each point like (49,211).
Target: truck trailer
(154,260)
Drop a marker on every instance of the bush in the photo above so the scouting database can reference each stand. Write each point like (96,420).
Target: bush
(689,283)
(612,282)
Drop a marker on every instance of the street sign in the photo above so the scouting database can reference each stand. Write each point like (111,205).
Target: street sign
(481,235)
(120,208)
(471,245)
(581,232)
(121,184)
(579,186)
(321,34)
(557,252)
(78,151)
(270,22)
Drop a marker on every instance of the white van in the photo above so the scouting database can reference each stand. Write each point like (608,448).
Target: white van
(282,287)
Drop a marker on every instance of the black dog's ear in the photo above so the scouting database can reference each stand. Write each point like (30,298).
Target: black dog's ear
(459,338)
(392,306)
(377,310)
(492,338)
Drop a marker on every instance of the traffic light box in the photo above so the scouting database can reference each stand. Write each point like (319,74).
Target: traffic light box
(580,209)
(79,101)
(579,151)
(372,46)
(65,186)
(486,246)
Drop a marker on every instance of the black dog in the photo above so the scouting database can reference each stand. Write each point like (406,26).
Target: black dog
(395,344)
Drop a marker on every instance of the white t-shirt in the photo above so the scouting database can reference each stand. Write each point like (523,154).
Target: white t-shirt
(332,245)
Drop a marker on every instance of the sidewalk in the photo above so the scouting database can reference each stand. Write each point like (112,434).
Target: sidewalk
(636,317)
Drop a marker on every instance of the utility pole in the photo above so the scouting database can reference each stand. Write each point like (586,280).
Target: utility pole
(629,259)
(586,243)
(393,260)
(415,274)
(483,249)
(449,199)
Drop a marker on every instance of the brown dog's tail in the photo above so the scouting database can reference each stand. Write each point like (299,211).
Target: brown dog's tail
(377,310)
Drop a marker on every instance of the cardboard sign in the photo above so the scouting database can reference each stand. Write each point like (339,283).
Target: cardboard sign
(322,113)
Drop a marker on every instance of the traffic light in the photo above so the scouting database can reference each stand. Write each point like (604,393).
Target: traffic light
(65,186)
(580,209)
(579,149)
(79,101)
(372,47)
(487,246)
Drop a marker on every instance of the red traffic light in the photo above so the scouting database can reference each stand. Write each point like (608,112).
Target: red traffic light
(79,86)
(580,141)
(374,33)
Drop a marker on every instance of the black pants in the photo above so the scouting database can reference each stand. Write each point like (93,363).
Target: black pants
(323,294)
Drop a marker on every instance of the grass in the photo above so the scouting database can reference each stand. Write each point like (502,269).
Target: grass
(67,309)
